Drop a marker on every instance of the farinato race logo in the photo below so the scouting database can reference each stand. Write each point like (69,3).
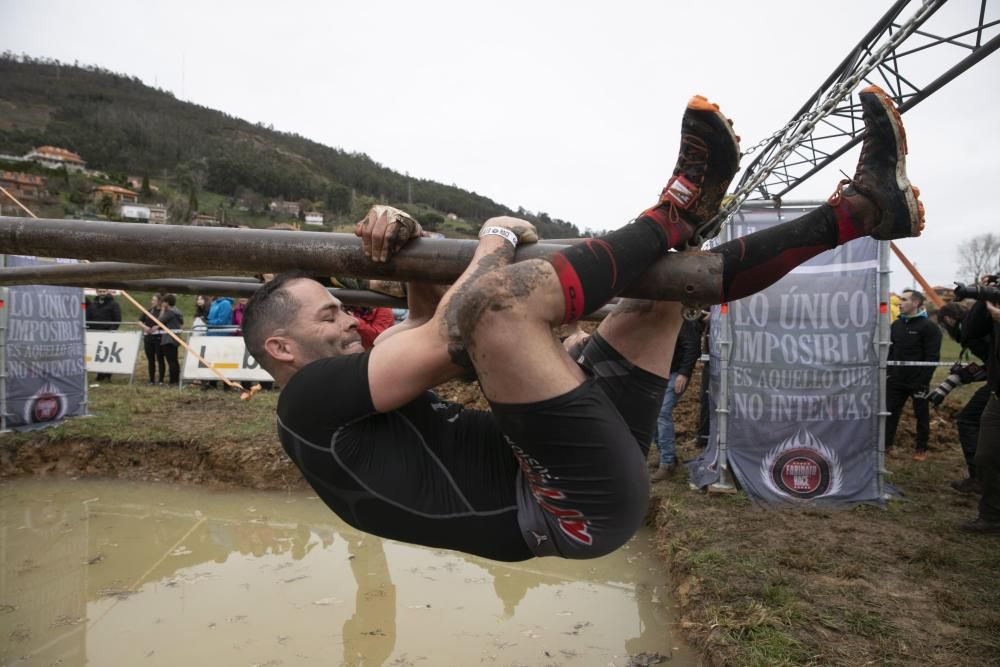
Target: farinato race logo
(48,404)
(802,468)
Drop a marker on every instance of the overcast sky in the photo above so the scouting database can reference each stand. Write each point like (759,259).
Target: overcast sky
(568,108)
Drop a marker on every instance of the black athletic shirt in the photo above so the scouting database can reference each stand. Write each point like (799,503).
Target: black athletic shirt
(430,473)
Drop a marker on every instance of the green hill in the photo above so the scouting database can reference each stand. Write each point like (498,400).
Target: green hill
(202,159)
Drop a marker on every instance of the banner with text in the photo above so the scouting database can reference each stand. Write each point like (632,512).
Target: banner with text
(46,378)
(228,354)
(112,351)
(803,380)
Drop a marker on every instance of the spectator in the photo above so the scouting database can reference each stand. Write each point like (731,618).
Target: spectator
(914,338)
(241,305)
(984,320)
(952,317)
(220,317)
(103,314)
(151,340)
(686,351)
(202,304)
(173,321)
(371,322)
(220,323)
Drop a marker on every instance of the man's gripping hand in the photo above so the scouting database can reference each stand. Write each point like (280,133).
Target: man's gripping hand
(384,231)
(522,229)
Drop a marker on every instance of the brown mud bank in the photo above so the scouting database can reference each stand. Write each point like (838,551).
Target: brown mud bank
(892,586)
(224,463)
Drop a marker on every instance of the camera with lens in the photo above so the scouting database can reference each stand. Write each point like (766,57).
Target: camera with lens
(958,375)
(988,292)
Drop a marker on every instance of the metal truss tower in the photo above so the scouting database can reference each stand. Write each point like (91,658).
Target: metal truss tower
(942,40)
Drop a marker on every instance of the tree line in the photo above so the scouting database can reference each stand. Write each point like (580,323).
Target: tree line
(120,125)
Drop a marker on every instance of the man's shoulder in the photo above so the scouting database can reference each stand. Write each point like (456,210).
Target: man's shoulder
(330,384)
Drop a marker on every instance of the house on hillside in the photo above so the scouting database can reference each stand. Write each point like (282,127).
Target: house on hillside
(135,182)
(54,157)
(118,194)
(314,218)
(204,220)
(157,214)
(27,187)
(286,207)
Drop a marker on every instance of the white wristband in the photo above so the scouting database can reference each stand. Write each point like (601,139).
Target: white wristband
(499,231)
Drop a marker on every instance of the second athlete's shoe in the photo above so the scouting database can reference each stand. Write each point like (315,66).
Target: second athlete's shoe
(708,159)
(880,176)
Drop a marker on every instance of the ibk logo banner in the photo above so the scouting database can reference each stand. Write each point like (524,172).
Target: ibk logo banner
(228,355)
(112,351)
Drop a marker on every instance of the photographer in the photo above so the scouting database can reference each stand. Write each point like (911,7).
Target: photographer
(914,338)
(952,317)
(983,321)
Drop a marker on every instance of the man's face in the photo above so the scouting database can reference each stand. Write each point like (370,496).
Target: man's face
(907,304)
(321,328)
(102,294)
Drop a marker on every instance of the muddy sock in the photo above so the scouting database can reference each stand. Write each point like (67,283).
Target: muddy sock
(758,260)
(593,272)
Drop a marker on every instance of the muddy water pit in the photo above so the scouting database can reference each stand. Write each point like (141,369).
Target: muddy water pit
(123,573)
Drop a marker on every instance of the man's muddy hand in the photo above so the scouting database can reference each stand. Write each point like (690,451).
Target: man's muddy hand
(384,231)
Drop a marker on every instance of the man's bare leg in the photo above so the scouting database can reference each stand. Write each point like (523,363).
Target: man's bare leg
(508,318)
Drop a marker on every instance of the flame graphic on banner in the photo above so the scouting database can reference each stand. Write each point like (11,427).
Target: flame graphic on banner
(815,456)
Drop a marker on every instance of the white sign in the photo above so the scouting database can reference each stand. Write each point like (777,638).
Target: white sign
(228,355)
(112,351)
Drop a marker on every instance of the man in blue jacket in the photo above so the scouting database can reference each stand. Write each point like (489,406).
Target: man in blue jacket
(220,315)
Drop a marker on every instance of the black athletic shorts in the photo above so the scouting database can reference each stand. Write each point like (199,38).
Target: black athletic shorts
(562,477)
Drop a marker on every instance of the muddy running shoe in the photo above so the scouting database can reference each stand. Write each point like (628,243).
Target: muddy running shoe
(893,209)
(708,159)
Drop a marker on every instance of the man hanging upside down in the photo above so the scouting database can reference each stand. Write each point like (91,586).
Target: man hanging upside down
(558,466)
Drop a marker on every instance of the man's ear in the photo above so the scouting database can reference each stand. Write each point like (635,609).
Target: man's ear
(280,348)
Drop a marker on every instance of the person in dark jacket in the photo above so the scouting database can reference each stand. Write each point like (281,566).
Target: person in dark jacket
(914,338)
(103,314)
(173,321)
(151,340)
(686,352)
(952,318)
(984,320)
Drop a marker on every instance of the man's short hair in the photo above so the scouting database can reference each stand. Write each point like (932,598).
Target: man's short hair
(169,299)
(918,296)
(269,309)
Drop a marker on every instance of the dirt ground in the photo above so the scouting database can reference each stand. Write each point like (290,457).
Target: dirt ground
(884,586)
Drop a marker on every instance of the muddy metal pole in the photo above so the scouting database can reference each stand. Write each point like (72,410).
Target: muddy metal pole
(691,277)
(884,342)
(4,310)
(72,275)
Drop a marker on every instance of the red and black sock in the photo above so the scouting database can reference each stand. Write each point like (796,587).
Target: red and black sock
(595,271)
(758,260)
